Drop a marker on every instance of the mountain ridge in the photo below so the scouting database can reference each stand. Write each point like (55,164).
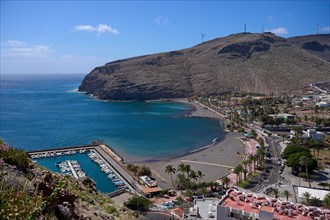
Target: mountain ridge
(261,63)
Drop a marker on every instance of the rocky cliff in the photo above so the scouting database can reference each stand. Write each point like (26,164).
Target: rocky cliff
(261,63)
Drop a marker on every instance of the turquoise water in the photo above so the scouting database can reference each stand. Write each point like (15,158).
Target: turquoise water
(91,169)
(42,112)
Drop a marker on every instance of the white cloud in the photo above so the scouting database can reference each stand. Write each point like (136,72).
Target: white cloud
(162,21)
(326,29)
(278,31)
(270,18)
(20,50)
(101,28)
(21,57)
(14,43)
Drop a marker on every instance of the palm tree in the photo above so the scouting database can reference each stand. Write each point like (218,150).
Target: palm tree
(193,175)
(240,168)
(225,181)
(245,171)
(237,172)
(275,192)
(171,170)
(187,169)
(250,157)
(304,161)
(181,181)
(326,200)
(200,175)
(323,184)
(245,163)
(287,194)
(306,196)
(181,167)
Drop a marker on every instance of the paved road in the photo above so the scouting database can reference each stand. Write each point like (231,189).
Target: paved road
(273,176)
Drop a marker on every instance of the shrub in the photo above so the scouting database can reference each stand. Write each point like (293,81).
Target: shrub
(138,203)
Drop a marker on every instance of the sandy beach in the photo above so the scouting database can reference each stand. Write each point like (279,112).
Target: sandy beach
(214,161)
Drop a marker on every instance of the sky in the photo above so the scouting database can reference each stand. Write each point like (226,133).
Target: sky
(76,36)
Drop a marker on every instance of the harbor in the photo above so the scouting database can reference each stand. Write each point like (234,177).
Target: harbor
(99,162)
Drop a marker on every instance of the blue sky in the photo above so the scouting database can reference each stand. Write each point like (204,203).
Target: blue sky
(76,36)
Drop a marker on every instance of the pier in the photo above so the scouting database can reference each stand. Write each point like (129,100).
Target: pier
(110,157)
(72,170)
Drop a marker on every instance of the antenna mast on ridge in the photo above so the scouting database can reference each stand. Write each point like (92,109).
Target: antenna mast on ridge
(262,29)
(202,37)
(245,27)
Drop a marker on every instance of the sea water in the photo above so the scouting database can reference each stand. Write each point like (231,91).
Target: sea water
(46,111)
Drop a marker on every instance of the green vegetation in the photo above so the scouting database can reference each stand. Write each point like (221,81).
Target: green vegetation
(190,180)
(14,156)
(326,201)
(138,203)
(299,159)
(139,170)
(286,194)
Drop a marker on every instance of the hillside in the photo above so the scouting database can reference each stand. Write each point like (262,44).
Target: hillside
(28,191)
(318,45)
(261,63)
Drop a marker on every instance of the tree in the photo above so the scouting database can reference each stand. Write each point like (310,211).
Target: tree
(292,149)
(237,172)
(315,201)
(323,184)
(306,196)
(275,192)
(326,201)
(139,203)
(245,171)
(171,170)
(286,194)
(187,169)
(225,181)
(251,160)
(304,161)
(298,132)
(143,171)
(193,175)
(240,169)
(181,181)
(181,168)
(200,175)
(245,163)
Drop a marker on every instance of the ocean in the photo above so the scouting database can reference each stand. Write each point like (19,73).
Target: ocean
(46,111)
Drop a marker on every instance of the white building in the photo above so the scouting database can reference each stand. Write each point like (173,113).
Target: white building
(310,134)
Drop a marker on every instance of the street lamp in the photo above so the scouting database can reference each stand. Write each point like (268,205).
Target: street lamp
(299,174)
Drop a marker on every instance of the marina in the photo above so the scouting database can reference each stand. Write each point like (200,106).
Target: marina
(93,161)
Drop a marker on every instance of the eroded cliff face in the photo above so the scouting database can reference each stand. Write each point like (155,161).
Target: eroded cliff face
(261,63)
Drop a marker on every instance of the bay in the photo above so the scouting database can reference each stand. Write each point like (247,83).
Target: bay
(46,111)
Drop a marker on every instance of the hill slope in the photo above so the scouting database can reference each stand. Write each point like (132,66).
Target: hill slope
(260,63)
(318,45)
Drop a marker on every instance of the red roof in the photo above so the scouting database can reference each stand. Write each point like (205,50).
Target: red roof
(246,203)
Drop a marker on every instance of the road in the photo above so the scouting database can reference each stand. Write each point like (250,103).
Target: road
(271,178)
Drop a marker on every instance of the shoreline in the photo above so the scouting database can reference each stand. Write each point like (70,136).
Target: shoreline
(195,111)
(214,160)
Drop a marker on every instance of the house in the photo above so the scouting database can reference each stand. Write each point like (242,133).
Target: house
(248,206)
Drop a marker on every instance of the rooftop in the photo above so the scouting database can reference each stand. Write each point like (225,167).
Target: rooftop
(282,210)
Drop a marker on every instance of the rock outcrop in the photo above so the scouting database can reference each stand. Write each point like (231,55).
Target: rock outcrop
(261,63)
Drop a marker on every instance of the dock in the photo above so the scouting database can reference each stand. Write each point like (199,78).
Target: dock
(72,170)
